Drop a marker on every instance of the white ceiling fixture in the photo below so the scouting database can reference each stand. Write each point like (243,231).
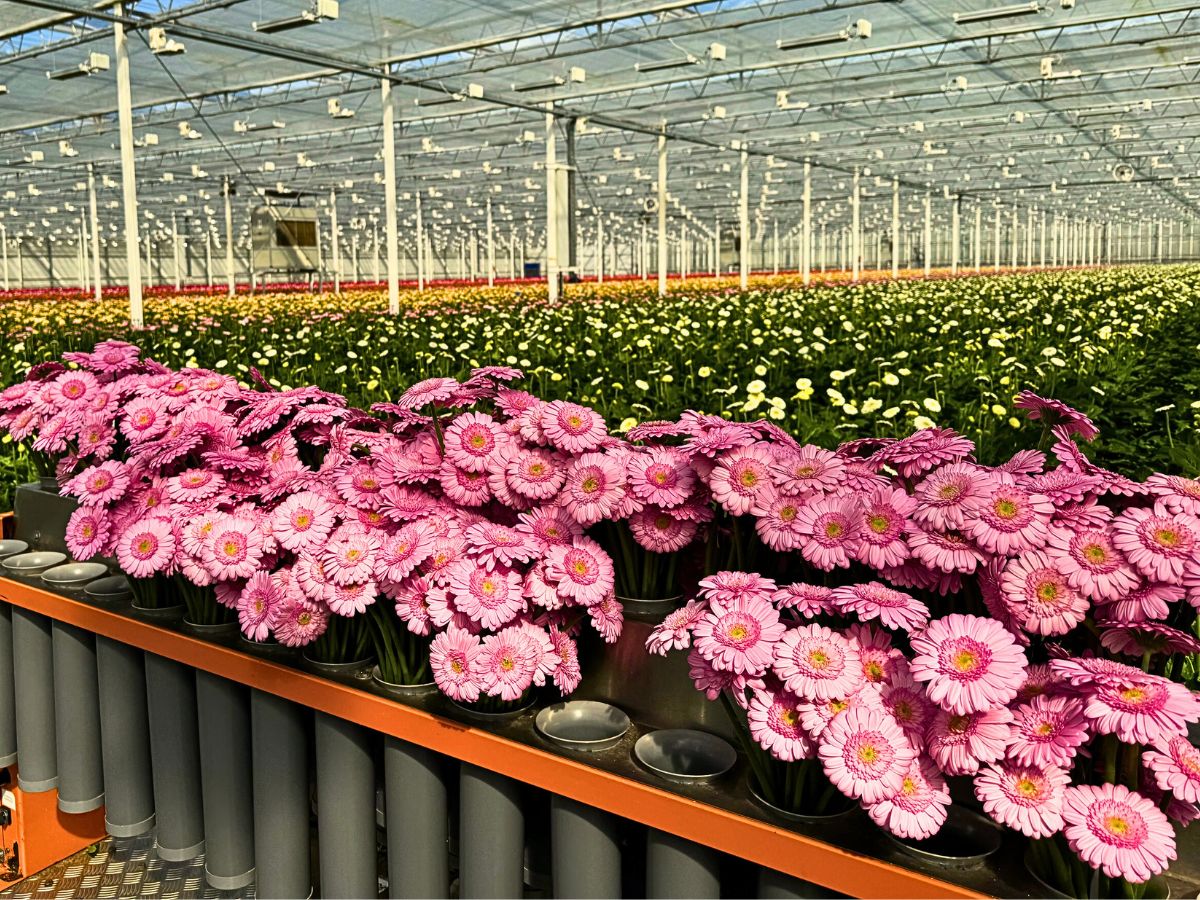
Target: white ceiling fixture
(1033,7)
(317,11)
(149,139)
(188,133)
(474,91)
(782,101)
(334,107)
(575,75)
(161,45)
(65,149)
(244,126)
(95,62)
(860,29)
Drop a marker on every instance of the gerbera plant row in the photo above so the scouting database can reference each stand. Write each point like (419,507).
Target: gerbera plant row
(880,619)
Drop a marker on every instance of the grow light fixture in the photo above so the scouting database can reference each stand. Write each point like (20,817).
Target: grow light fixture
(661,65)
(3,88)
(161,45)
(860,29)
(318,11)
(575,75)
(334,107)
(65,149)
(188,133)
(96,62)
(782,101)
(243,126)
(35,156)
(474,91)
(998,12)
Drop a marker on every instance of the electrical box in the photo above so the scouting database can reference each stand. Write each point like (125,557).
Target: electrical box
(35,834)
(284,239)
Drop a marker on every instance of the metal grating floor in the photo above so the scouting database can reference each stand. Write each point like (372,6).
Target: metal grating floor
(120,868)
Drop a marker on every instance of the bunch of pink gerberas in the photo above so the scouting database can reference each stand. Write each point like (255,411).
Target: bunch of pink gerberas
(297,513)
(1043,579)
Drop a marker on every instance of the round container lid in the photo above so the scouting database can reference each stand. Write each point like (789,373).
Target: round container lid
(34,562)
(682,754)
(111,586)
(12,548)
(583,724)
(74,573)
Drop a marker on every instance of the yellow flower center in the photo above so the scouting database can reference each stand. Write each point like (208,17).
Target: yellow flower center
(1095,554)
(806,471)
(478,440)
(1026,787)
(145,545)
(1005,509)
(868,754)
(833,529)
(574,421)
(230,548)
(748,478)
(878,524)
(590,484)
(965,660)
(738,632)
(1116,825)
(1168,537)
(303,520)
(1047,591)
(818,659)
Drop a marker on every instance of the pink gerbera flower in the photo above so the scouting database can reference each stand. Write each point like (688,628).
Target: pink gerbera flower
(608,618)
(1149,601)
(774,722)
(1177,494)
(728,587)
(548,527)
(817,663)
(918,809)
(1158,543)
(496,544)
(1117,831)
(100,484)
(945,551)
(741,479)
(1008,519)
(145,547)
(463,487)
(906,701)
(1047,731)
(573,428)
(471,441)
(960,744)
(298,623)
(349,554)
(1056,413)
(302,521)
(881,662)
(808,470)
(144,418)
(1175,764)
(195,485)
(581,572)
(593,488)
(234,549)
(1146,709)
(400,553)
(778,521)
(491,597)
(361,485)
(87,533)
(969,663)
(352,599)
(431,390)
(809,600)
(453,656)
(535,474)
(923,450)
(894,609)
(885,519)
(1139,638)
(660,476)
(739,637)
(865,754)
(1026,797)
(1091,562)
(658,531)
(257,605)
(1039,597)
(674,632)
(831,525)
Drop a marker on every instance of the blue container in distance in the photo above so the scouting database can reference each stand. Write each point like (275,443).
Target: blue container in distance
(533,270)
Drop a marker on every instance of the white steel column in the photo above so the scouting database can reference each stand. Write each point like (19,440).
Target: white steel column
(895,228)
(775,248)
(927,237)
(208,256)
(955,235)
(95,229)
(977,243)
(1042,244)
(599,248)
(4,250)
(551,211)
(807,255)
(996,243)
(744,223)
(491,247)
(389,191)
(1029,219)
(420,247)
(175,261)
(856,226)
(1013,239)
(334,248)
(128,180)
(662,215)
(228,239)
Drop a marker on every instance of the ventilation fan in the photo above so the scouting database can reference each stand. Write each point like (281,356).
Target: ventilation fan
(1123,172)
(650,204)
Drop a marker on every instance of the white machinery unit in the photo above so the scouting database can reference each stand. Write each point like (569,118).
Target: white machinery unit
(284,240)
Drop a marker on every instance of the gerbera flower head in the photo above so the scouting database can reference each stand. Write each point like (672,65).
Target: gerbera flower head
(1047,731)
(1039,596)
(234,549)
(257,605)
(1008,519)
(1054,413)
(674,632)
(1158,543)
(572,428)
(881,662)
(885,520)
(349,554)
(918,809)
(1091,562)
(894,609)
(830,525)
(660,476)
(432,390)
(924,450)
(453,657)
(817,663)
(361,484)
(865,754)
(728,587)
(195,485)
(658,531)
(808,470)
(303,521)
(464,487)
(778,520)
(548,526)
(1177,493)
(472,440)
(507,663)
(960,744)
(1117,831)
(969,663)
(581,572)
(593,489)
(1027,797)
(944,551)
(97,485)
(1175,765)
(298,623)
(608,618)
(739,637)
(147,546)
(493,597)
(534,473)
(496,544)
(742,478)
(1145,709)
(87,533)
(808,600)
(775,724)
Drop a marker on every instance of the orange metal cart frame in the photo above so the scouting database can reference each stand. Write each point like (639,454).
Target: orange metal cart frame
(751,839)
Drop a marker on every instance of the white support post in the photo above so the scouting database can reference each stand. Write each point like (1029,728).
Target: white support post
(895,228)
(716,251)
(996,242)
(4,250)
(856,225)
(955,234)
(599,247)
(334,244)
(1014,238)
(662,215)
(927,237)
(551,211)
(1042,244)
(491,247)
(977,242)
(421,260)
(128,179)
(208,256)
(389,191)
(95,236)
(744,223)
(228,240)
(175,261)
(775,248)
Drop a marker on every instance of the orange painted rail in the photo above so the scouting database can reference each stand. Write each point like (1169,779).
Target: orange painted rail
(751,839)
